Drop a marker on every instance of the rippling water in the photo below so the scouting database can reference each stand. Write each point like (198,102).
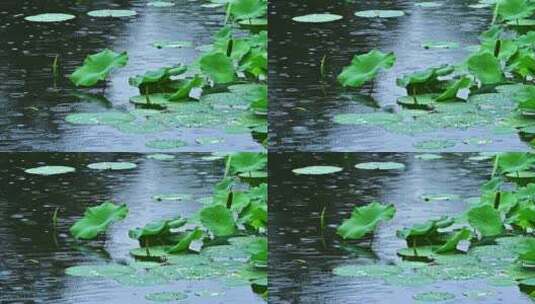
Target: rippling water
(33,111)
(302,258)
(34,255)
(303,105)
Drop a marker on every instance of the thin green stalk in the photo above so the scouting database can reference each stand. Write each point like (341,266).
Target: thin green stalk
(495,14)
(322,66)
(227,15)
(495,167)
(227,166)
(322,219)
(55,217)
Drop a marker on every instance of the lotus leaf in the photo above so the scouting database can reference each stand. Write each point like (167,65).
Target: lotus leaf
(258,249)
(160,4)
(485,67)
(434,296)
(112,13)
(453,241)
(218,67)
(317,18)
(424,81)
(50,170)
(50,17)
(165,144)
(102,118)
(515,161)
(219,220)
(426,233)
(185,242)
(166,296)
(365,219)
(112,166)
(434,144)
(440,45)
(452,90)
(428,4)
(365,67)
(380,14)
(97,219)
(515,9)
(105,270)
(317,170)
(486,220)
(523,64)
(247,9)
(247,162)
(97,67)
(380,166)
(376,118)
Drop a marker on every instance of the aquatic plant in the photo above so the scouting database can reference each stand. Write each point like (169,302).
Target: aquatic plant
(97,67)
(365,67)
(97,219)
(364,220)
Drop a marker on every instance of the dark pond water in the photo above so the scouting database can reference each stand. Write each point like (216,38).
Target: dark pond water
(33,111)
(34,255)
(303,105)
(302,260)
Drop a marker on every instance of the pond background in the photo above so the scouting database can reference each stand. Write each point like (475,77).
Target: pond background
(302,260)
(33,111)
(303,106)
(34,256)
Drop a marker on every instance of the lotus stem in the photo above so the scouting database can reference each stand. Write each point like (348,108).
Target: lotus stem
(322,66)
(227,15)
(495,167)
(495,14)
(322,218)
(55,217)
(227,166)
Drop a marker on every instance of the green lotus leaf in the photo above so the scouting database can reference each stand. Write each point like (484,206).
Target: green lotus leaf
(515,161)
(523,217)
(50,170)
(97,67)
(523,63)
(99,118)
(379,14)
(453,241)
(160,4)
(218,67)
(440,45)
(317,170)
(105,13)
(452,90)
(428,4)
(247,162)
(365,67)
(166,296)
(486,220)
(374,118)
(247,9)
(104,270)
(365,219)
(97,219)
(219,220)
(426,233)
(485,67)
(317,18)
(165,144)
(433,296)
(515,9)
(50,17)
(159,76)
(258,249)
(526,250)
(185,242)
(425,81)
(434,144)
(112,166)
(185,88)
(380,166)
(172,44)
(161,156)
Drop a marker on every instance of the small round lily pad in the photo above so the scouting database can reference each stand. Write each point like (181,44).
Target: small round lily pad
(112,166)
(160,4)
(112,13)
(50,17)
(317,18)
(106,270)
(380,166)
(428,4)
(165,144)
(433,296)
(161,156)
(317,170)
(50,170)
(166,296)
(380,14)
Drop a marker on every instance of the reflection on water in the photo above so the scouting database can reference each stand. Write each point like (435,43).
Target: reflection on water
(33,111)
(34,255)
(304,105)
(303,258)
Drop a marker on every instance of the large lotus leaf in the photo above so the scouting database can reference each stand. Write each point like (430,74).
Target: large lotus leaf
(156,229)
(255,215)
(258,249)
(485,67)
(365,219)
(365,67)
(186,87)
(526,250)
(426,233)
(453,89)
(503,49)
(97,219)
(97,67)
(453,241)
(486,220)
(515,161)
(50,17)
(524,217)
(156,76)
(525,97)
(523,63)
(515,9)
(247,9)
(219,220)
(425,81)
(526,40)
(185,242)
(248,162)
(218,67)
(255,63)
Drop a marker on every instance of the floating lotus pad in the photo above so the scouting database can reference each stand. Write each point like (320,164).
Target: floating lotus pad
(380,166)
(409,280)
(99,118)
(225,253)
(423,253)
(226,101)
(434,144)
(428,156)
(194,272)
(380,14)
(150,252)
(439,197)
(165,144)
(160,4)
(166,296)
(172,197)
(112,13)
(440,45)
(254,22)
(433,296)
(428,4)
(50,170)
(141,279)
(112,166)
(418,102)
(160,156)
(158,99)
(371,271)
(173,44)
(377,118)
(317,170)
(106,270)
(50,17)
(317,18)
